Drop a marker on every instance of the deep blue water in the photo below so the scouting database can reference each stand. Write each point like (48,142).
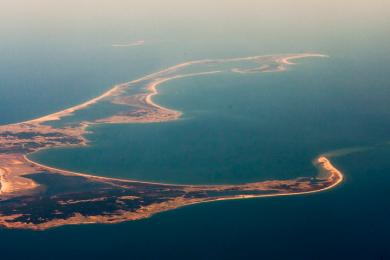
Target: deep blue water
(239,128)
(235,129)
(262,126)
(348,222)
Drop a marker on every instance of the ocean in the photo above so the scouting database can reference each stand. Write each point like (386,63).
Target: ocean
(234,128)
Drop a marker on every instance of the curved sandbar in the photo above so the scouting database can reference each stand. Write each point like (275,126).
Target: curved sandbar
(131,193)
(116,90)
(81,198)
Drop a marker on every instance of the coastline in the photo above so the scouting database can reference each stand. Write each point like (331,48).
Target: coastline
(16,166)
(118,88)
(321,162)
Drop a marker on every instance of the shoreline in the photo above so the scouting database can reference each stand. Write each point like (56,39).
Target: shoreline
(15,167)
(118,88)
(320,161)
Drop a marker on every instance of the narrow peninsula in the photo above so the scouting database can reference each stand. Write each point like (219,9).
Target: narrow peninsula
(38,197)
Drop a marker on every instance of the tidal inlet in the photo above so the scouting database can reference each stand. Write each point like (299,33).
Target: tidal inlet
(196,130)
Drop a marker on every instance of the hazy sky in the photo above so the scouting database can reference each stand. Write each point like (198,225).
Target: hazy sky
(200,17)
